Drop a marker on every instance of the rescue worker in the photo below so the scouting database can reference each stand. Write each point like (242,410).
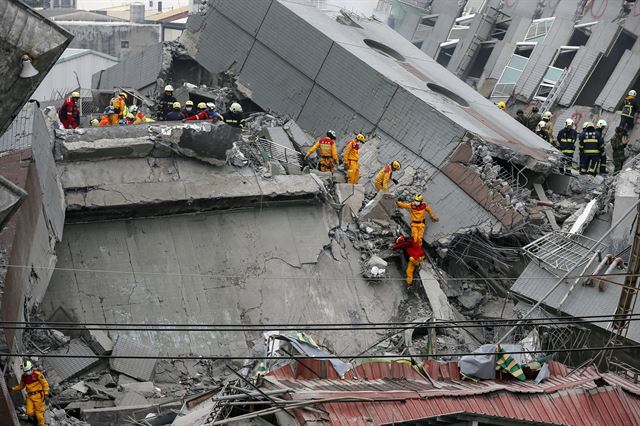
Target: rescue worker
(417,210)
(618,143)
(165,103)
(520,118)
(351,157)
(541,130)
(590,149)
(385,175)
(139,115)
(546,117)
(94,122)
(119,109)
(175,114)
(415,253)
(533,119)
(69,114)
(37,390)
(567,137)
(601,129)
(188,110)
(202,113)
(104,121)
(130,119)
(502,105)
(629,110)
(234,117)
(212,110)
(327,151)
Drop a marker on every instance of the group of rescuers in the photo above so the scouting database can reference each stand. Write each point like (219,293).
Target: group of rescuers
(418,209)
(169,109)
(593,159)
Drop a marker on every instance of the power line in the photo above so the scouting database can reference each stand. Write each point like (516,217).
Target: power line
(305,357)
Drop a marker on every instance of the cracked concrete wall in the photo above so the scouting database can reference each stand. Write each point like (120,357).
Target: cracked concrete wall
(262,265)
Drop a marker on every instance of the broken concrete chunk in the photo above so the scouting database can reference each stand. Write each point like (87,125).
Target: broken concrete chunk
(143,388)
(440,307)
(139,368)
(80,387)
(471,299)
(130,399)
(208,142)
(99,341)
(68,367)
(103,149)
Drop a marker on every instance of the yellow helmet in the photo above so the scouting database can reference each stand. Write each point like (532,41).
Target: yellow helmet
(502,105)
(124,95)
(202,105)
(95,122)
(360,138)
(188,103)
(130,116)
(75,95)
(395,165)
(176,105)
(418,198)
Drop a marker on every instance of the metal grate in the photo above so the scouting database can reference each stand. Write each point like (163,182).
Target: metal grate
(562,251)
(273,151)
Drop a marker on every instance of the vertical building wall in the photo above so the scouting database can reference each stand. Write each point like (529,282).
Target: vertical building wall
(114,39)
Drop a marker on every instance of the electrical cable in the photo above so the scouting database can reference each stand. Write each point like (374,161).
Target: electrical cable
(306,357)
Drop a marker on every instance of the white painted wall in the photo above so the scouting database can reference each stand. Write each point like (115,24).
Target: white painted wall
(62,77)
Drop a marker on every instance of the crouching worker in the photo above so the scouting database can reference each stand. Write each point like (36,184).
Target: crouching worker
(415,253)
(37,390)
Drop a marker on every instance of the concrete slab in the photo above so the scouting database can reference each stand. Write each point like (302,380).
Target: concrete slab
(107,148)
(11,197)
(98,341)
(138,368)
(352,196)
(440,306)
(625,196)
(208,142)
(68,367)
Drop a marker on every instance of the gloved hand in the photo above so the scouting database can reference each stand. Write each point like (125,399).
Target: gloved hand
(394,181)
(436,219)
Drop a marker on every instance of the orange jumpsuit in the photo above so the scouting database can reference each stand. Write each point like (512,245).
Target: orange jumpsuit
(328,154)
(104,121)
(383,177)
(414,252)
(37,388)
(118,104)
(417,214)
(350,157)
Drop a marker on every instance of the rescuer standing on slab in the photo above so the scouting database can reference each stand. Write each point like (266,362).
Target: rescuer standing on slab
(37,390)
(351,157)
(415,253)
(326,148)
(69,114)
(417,210)
(567,137)
(591,147)
(385,175)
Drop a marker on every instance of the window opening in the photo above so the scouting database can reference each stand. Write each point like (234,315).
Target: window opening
(539,29)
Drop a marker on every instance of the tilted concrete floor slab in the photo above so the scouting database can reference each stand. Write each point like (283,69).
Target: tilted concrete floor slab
(259,265)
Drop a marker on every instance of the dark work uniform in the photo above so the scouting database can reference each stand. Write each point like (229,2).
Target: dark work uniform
(629,110)
(233,119)
(567,145)
(174,115)
(591,147)
(165,106)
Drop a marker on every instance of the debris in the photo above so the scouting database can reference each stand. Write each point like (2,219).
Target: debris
(471,299)
(138,368)
(68,367)
(145,389)
(440,306)
(80,387)
(99,341)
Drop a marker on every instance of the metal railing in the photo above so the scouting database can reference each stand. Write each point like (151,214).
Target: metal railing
(270,150)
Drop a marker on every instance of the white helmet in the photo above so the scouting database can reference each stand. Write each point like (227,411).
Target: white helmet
(168,88)
(133,109)
(600,124)
(568,122)
(547,115)
(235,107)
(632,93)
(542,125)
(211,106)
(27,366)
(587,124)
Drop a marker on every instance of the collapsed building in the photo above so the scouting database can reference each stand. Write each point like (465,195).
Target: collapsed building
(175,225)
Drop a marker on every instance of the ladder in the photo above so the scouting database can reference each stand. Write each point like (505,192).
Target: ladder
(556,92)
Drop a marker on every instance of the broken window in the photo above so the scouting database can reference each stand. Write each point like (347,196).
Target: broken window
(480,61)
(604,68)
(429,20)
(511,73)
(445,53)
(539,29)
(124,44)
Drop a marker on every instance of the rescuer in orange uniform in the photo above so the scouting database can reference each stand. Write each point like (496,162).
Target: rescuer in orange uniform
(37,389)
(415,253)
(351,157)
(119,109)
(327,151)
(385,175)
(417,210)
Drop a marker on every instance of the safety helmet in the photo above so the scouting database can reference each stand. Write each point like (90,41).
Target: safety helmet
(176,105)
(418,198)
(95,122)
(587,124)
(124,95)
(130,116)
(395,165)
(235,107)
(188,103)
(133,109)
(27,366)
(547,115)
(360,138)
(75,95)
(331,134)
(168,88)
(502,105)
(568,122)
(542,125)
(601,123)
(211,106)
(632,93)
(202,105)
(519,112)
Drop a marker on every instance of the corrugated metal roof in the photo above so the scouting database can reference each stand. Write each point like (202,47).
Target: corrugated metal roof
(139,368)
(61,369)
(392,392)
